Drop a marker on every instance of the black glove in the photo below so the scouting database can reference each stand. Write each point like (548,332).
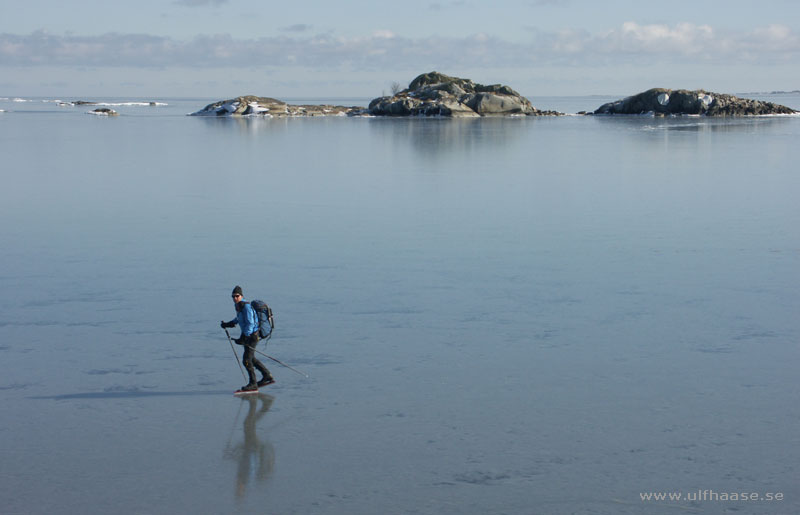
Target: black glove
(226,325)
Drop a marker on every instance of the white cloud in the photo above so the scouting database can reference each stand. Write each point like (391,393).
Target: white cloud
(633,41)
(774,38)
(684,37)
(630,42)
(384,34)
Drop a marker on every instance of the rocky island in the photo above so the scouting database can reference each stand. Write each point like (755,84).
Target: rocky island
(663,102)
(430,94)
(250,105)
(104,111)
(436,94)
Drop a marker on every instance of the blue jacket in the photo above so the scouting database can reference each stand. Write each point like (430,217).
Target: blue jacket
(248,319)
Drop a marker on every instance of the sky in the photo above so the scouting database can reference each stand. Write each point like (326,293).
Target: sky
(359,49)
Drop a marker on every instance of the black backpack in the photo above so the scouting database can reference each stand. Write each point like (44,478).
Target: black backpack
(266,323)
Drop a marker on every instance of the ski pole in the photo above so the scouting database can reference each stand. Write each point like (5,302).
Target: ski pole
(234,353)
(281,363)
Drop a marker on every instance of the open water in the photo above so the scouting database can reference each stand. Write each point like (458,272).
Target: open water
(498,316)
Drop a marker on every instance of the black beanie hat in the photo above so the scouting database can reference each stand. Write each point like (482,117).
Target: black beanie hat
(237,290)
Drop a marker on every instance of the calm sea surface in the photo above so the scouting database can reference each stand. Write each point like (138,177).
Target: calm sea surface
(498,316)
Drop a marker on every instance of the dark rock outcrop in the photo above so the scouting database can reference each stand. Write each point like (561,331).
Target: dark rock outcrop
(104,111)
(250,105)
(436,94)
(662,101)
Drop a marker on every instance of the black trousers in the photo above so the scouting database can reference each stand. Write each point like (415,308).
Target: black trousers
(249,359)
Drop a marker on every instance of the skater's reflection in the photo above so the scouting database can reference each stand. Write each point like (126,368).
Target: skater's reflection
(255,458)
